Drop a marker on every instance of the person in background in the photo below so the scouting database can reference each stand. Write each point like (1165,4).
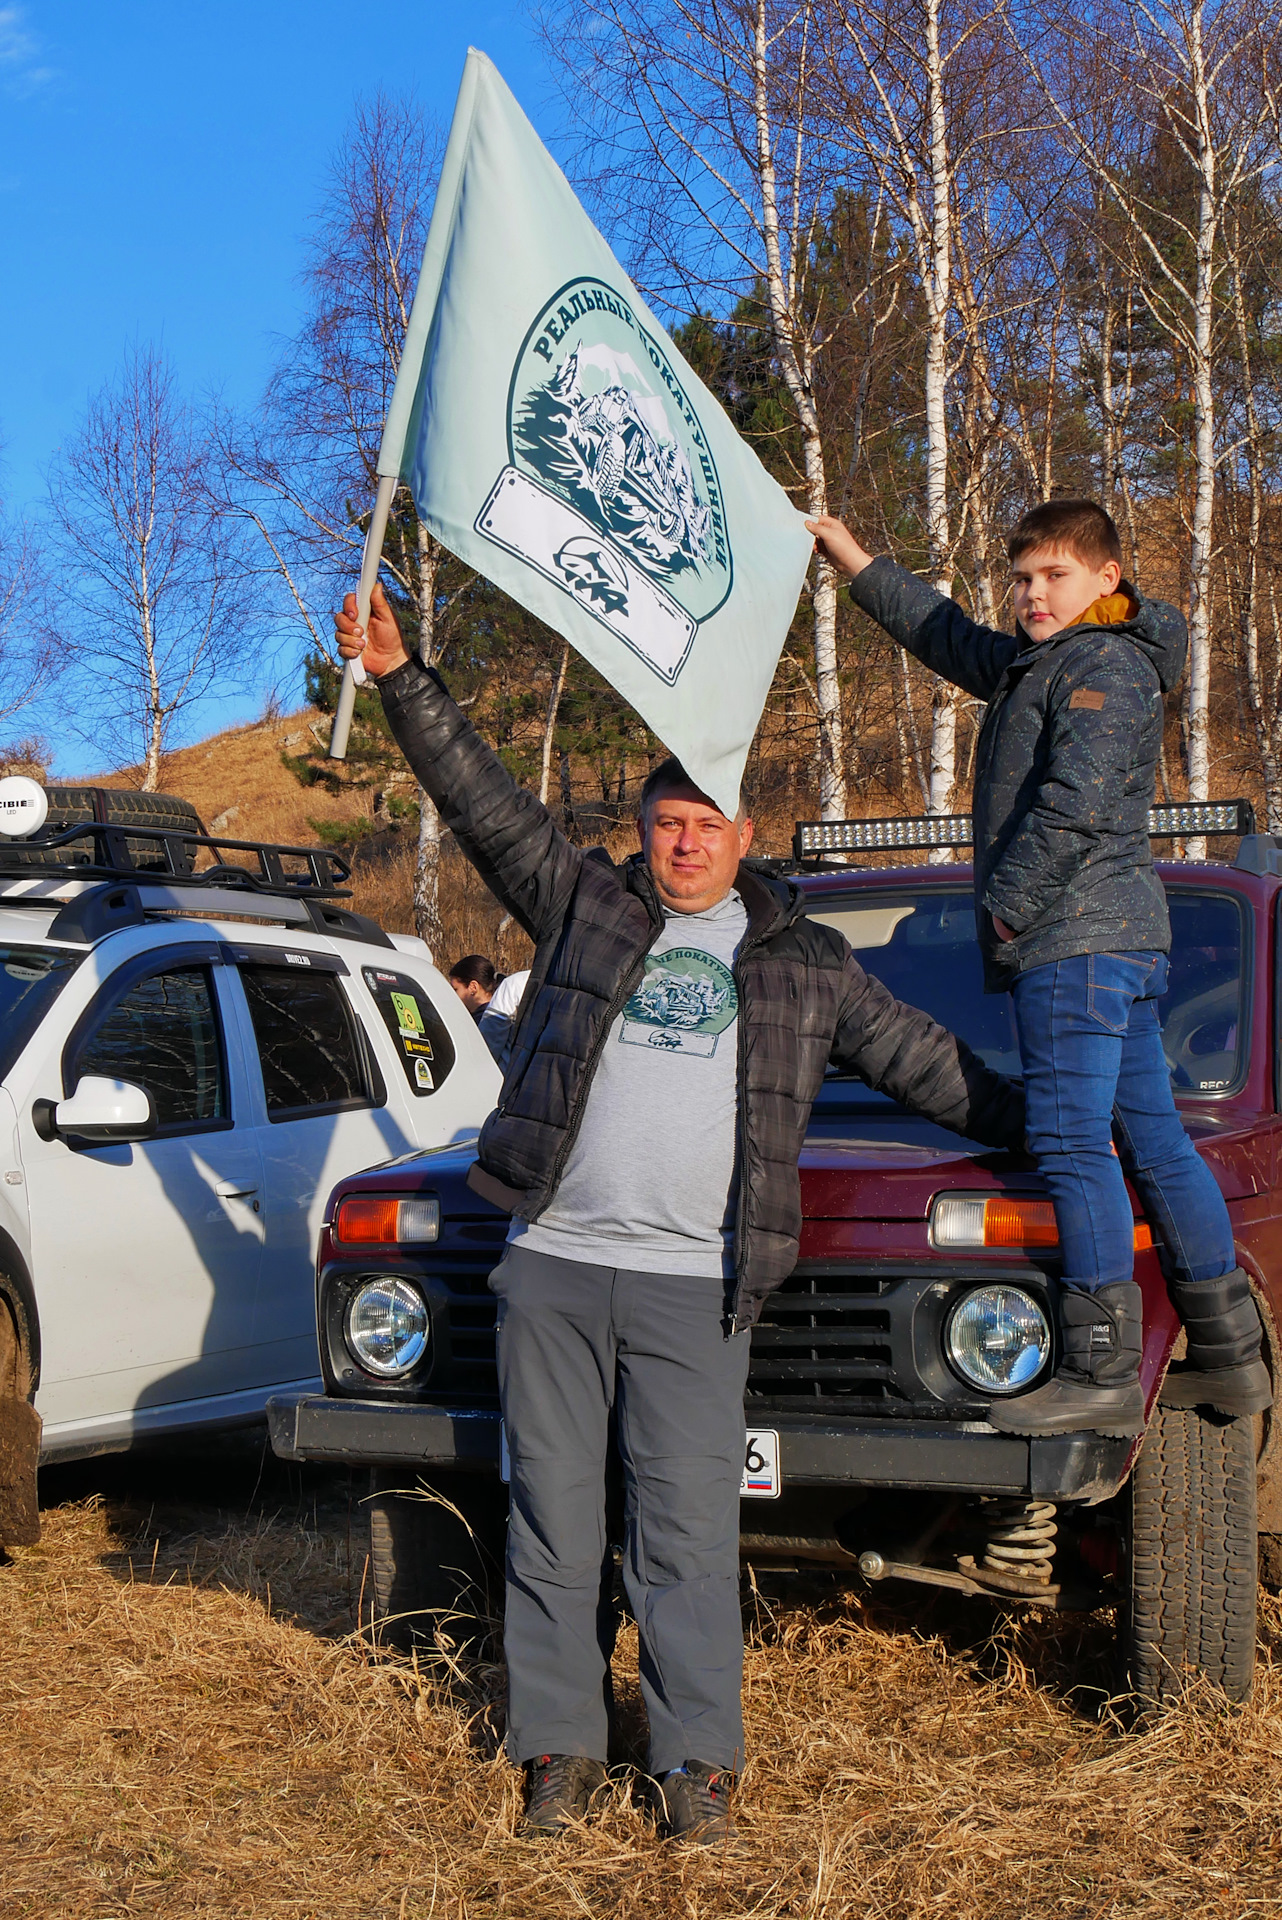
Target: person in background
(474,979)
(491,998)
(498,1018)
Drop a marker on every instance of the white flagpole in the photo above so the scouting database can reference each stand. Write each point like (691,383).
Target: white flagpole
(353,671)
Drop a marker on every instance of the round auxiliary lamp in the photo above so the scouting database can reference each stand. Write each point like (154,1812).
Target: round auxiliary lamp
(24,806)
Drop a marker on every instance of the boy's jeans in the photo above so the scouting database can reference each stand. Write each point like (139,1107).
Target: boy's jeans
(1092,1056)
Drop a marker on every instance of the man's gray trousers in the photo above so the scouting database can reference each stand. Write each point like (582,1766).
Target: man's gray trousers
(575,1341)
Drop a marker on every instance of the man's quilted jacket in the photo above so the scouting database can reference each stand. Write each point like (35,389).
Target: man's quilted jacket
(1065,766)
(804,999)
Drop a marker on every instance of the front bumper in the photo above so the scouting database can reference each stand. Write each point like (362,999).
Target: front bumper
(952,1457)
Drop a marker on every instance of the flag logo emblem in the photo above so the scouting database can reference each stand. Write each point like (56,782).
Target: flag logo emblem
(610,489)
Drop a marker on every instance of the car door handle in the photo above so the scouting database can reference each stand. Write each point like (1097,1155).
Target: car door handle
(232,1190)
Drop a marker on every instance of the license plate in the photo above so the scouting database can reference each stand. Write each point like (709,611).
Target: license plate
(761,1477)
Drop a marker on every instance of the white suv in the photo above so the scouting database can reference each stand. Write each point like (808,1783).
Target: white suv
(196,1042)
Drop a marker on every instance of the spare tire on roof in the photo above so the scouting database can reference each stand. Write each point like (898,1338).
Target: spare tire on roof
(116,807)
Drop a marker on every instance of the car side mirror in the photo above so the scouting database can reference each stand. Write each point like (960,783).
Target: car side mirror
(97,1113)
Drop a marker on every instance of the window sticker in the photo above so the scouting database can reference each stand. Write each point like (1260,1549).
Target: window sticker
(407,1012)
(418,1033)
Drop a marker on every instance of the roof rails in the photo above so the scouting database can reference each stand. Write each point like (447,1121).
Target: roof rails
(167,856)
(813,839)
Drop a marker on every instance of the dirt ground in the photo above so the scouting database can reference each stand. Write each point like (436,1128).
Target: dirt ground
(192,1726)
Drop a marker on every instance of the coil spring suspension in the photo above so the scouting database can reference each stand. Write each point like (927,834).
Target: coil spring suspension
(1021,1538)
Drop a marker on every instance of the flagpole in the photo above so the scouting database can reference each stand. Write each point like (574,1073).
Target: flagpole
(353,671)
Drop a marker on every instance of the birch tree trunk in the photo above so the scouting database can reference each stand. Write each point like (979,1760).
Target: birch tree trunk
(549,727)
(1199,684)
(937,287)
(794,361)
(1266,718)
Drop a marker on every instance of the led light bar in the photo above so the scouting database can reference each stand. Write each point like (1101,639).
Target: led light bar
(813,839)
(1205,816)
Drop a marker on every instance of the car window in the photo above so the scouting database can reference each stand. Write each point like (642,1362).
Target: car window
(308,1047)
(420,1036)
(922,946)
(1204,1010)
(164,1036)
(31,978)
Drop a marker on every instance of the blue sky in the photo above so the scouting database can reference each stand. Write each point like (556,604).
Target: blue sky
(159,164)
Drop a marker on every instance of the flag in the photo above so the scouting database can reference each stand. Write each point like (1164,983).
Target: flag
(555,440)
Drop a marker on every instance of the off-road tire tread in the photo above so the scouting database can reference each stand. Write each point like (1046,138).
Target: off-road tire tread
(426,1567)
(126,807)
(1193,1559)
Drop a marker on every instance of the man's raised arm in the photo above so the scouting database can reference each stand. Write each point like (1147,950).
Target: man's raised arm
(507,834)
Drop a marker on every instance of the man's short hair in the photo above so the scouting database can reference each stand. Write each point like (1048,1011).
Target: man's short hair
(1079,527)
(474,970)
(671,777)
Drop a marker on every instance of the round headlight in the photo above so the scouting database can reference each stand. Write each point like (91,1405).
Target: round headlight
(387,1326)
(998,1338)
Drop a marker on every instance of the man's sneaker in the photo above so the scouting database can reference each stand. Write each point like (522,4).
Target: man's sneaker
(696,1802)
(561,1786)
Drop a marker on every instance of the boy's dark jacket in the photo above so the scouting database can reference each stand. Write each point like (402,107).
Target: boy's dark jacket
(1064,767)
(804,999)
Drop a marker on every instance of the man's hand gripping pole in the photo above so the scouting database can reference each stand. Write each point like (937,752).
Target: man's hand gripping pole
(353,671)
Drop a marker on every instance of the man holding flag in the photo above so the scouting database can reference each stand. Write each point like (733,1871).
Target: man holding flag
(681,1009)
(680,1015)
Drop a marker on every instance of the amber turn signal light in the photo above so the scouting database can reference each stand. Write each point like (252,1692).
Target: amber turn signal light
(999,1220)
(381,1220)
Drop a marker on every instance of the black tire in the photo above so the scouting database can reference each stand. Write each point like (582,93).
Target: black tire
(120,807)
(1192,1553)
(436,1549)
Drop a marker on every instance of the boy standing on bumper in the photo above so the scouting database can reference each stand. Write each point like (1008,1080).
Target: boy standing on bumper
(1072,921)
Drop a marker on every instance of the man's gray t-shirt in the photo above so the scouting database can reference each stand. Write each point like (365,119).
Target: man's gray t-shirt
(650,1182)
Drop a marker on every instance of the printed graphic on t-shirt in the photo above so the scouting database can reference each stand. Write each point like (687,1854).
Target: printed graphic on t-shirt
(684,1003)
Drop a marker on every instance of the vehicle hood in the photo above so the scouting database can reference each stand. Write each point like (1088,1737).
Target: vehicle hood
(891,1170)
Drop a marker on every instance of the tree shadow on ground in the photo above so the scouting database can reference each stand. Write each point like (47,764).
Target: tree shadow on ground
(223,1511)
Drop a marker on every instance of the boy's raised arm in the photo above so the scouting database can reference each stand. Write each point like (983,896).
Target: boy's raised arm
(504,830)
(931,626)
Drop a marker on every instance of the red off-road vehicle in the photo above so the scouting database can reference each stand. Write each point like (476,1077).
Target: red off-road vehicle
(925,1289)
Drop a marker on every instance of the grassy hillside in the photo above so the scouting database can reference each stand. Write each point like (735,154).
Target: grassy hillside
(245,783)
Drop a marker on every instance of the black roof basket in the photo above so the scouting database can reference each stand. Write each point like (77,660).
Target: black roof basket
(99,850)
(814,840)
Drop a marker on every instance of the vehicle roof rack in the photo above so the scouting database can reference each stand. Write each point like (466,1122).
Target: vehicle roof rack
(167,856)
(814,840)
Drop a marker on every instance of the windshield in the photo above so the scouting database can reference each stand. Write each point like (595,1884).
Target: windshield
(31,978)
(922,946)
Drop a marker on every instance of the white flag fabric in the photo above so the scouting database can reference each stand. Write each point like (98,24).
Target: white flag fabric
(556,441)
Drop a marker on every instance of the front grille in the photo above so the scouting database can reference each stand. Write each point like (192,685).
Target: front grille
(470,1309)
(839,1340)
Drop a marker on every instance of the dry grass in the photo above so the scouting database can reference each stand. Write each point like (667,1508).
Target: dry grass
(191,1727)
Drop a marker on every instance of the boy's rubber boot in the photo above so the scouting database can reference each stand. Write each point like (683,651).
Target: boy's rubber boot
(1225,1368)
(1096,1388)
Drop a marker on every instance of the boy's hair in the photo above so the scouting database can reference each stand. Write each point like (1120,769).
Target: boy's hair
(474,970)
(670,777)
(1079,527)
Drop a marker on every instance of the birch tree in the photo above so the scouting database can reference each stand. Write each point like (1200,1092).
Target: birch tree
(151,577)
(915,87)
(708,152)
(1191,72)
(307,466)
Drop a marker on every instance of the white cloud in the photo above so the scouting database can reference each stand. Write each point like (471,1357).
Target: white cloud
(21,70)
